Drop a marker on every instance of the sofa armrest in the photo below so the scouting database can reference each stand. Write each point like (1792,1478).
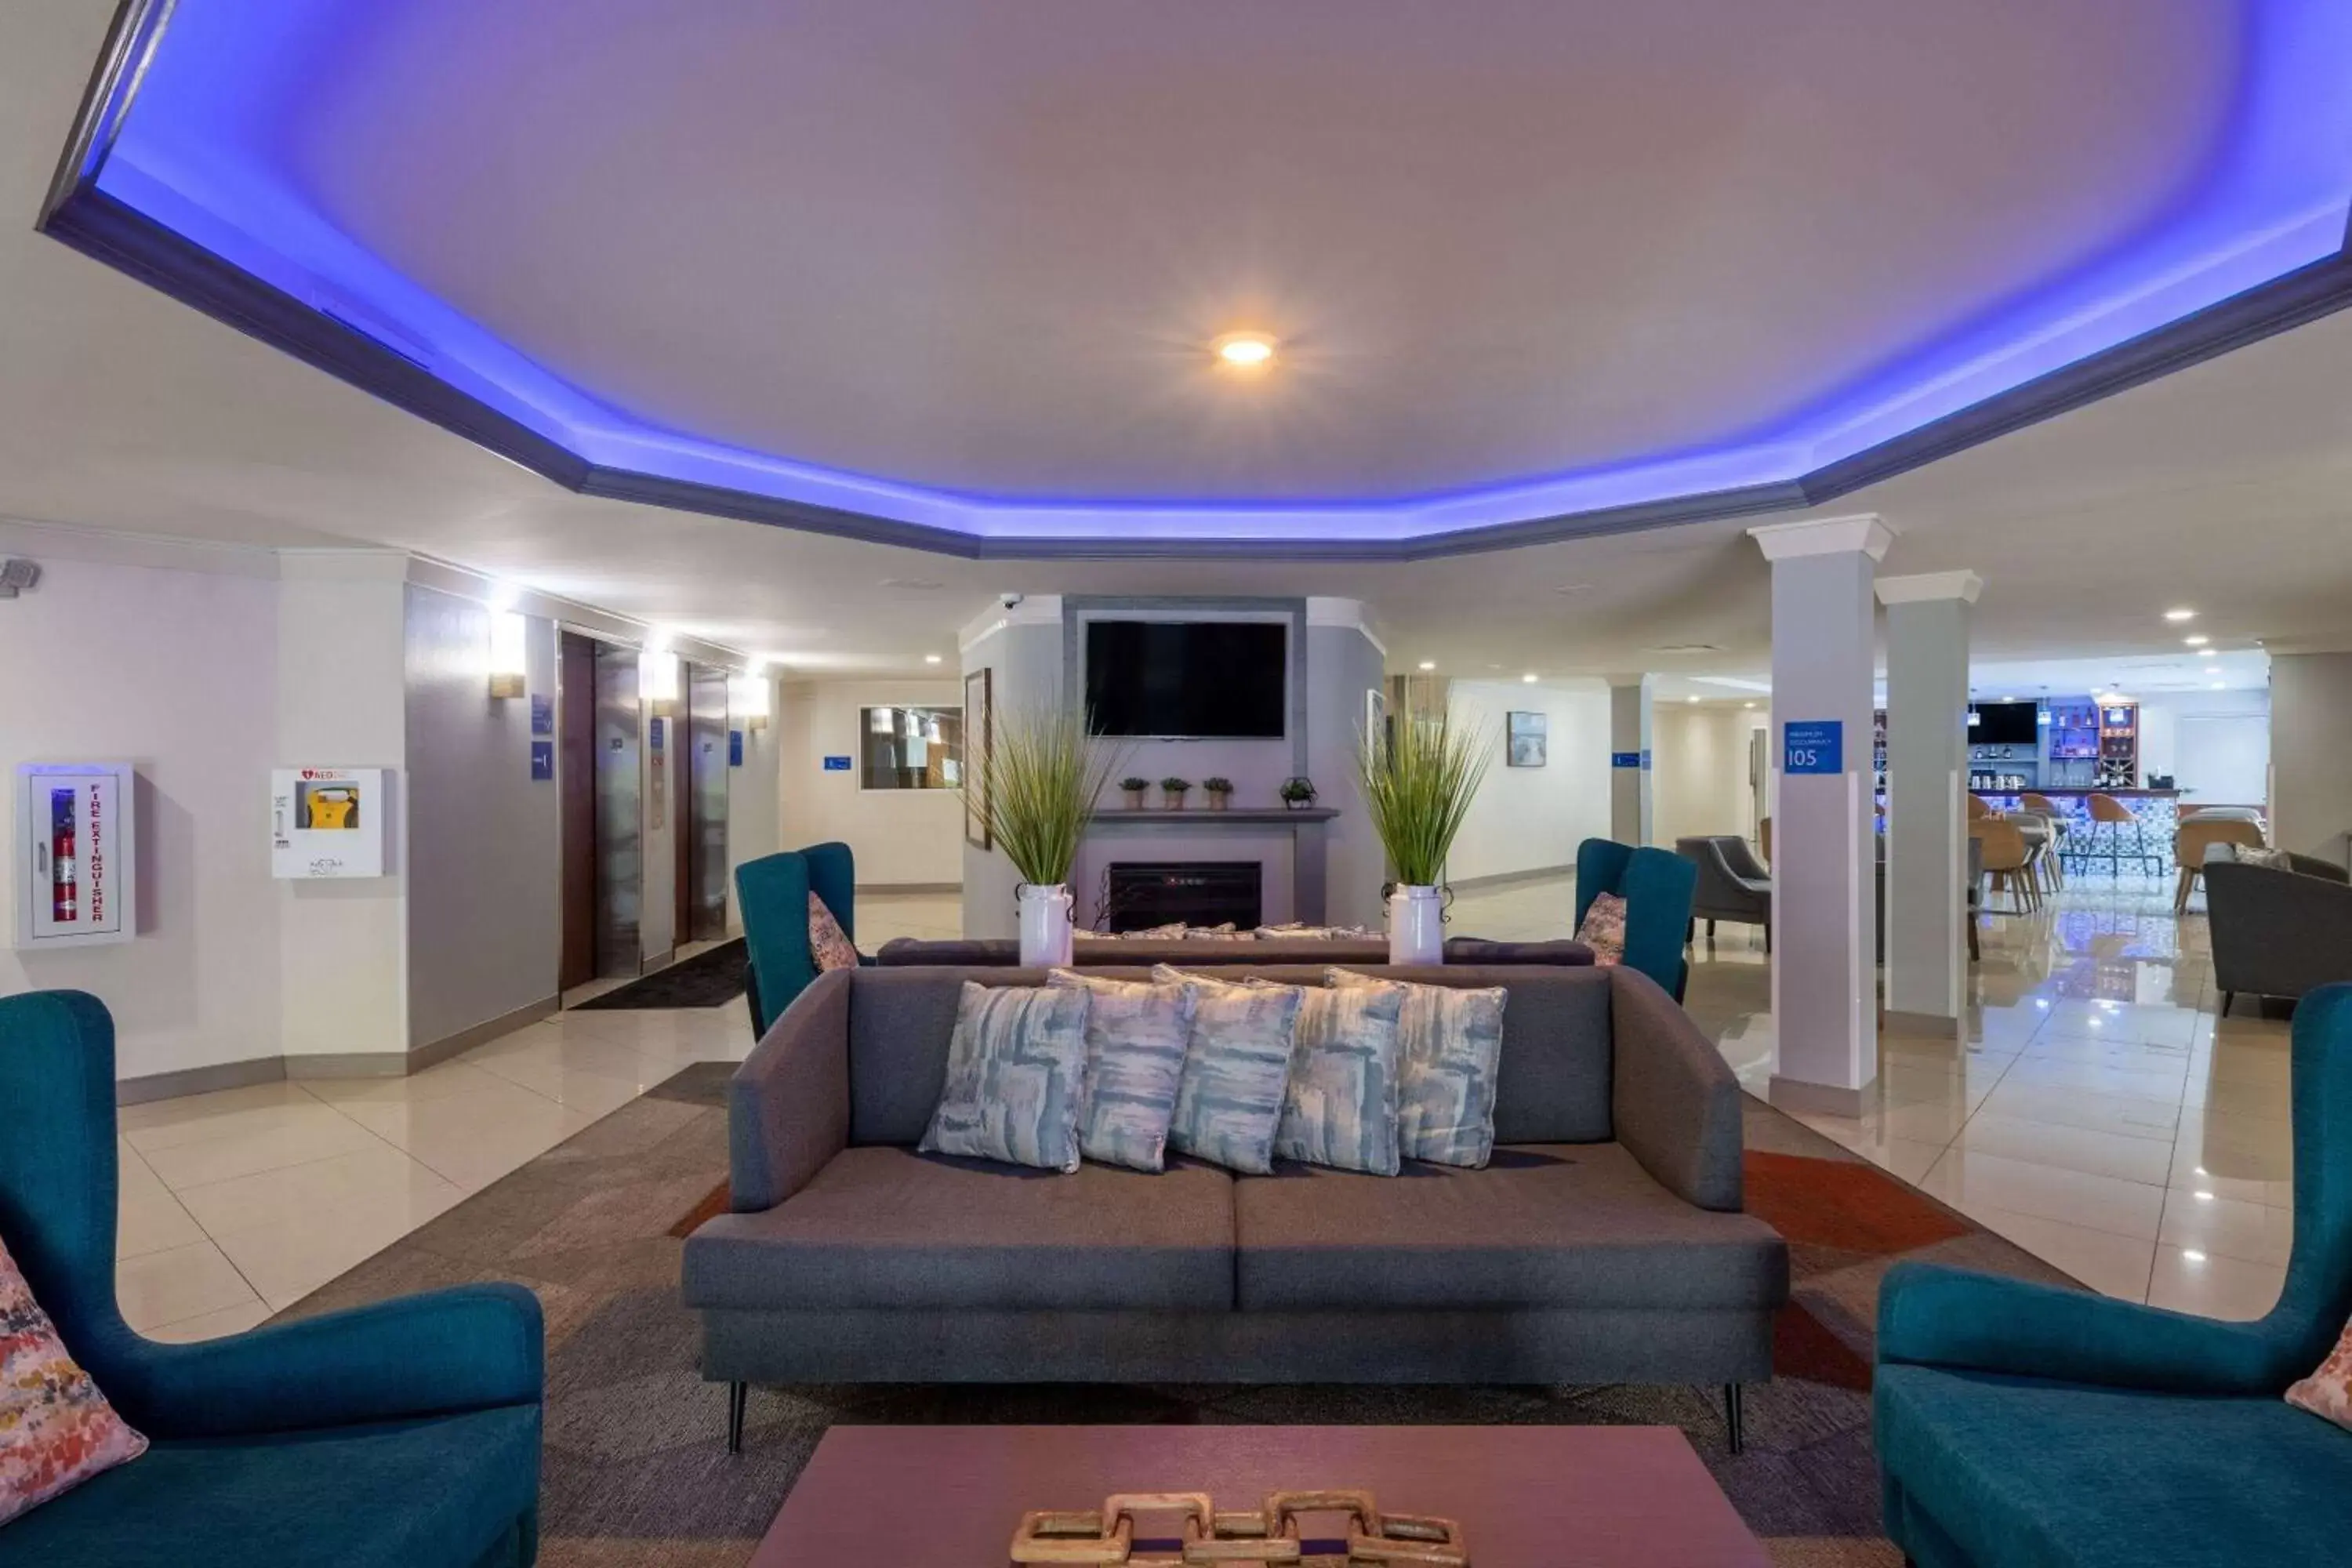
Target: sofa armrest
(1674,1098)
(475,1347)
(1933,1316)
(788,1104)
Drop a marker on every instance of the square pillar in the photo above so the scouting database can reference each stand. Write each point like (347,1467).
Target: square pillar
(1926,776)
(1825,855)
(1629,759)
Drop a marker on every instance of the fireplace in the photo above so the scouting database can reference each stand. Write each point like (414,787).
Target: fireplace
(1140,894)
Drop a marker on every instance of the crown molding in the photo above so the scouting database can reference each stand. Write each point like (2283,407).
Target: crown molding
(1865,534)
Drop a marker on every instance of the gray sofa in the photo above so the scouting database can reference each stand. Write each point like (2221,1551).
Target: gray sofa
(2277,932)
(1354,953)
(1604,1244)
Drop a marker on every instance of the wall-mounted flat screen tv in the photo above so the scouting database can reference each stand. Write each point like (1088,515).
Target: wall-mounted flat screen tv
(2005,724)
(1188,679)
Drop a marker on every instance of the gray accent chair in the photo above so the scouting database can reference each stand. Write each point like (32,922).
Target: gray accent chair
(1732,884)
(2276,932)
(1605,1243)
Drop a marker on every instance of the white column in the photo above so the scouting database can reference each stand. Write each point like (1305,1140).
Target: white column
(1824,970)
(1629,759)
(1927,774)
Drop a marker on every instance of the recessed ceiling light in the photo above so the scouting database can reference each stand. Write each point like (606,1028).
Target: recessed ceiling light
(1244,351)
(1528,678)
(2182,613)
(1428,664)
(2200,640)
(930,659)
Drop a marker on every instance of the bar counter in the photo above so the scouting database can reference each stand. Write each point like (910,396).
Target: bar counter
(2157,808)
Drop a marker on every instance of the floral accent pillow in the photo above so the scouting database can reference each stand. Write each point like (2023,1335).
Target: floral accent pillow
(1017,1068)
(2328,1393)
(1603,930)
(56,1430)
(828,943)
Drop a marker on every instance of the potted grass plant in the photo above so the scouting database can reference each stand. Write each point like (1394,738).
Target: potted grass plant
(1042,775)
(1418,782)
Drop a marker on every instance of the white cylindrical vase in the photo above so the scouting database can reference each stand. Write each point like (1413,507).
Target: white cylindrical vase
(1046,936)
(1416,926)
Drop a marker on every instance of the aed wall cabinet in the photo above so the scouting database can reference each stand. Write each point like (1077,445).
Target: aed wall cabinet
(329,822)
(76,841)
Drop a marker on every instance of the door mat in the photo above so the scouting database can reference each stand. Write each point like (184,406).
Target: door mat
(707,980)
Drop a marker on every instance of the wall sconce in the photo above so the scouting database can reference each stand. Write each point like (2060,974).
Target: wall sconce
(750,696)
(658,675)
(510,658)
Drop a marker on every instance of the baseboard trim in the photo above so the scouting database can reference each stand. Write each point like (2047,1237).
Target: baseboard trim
(911,887)
(400,1064)
(1796,1094)
(1502,879)
(1918,1025)
(211,1079)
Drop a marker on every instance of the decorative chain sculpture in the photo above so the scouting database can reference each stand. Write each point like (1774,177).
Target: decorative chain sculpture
(1107,1536)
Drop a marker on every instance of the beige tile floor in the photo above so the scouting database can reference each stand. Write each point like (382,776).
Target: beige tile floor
(2094,1110)
(238,1204)
(2096,1113)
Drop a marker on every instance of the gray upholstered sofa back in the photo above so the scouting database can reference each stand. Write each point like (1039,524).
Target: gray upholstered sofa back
(1553,1086)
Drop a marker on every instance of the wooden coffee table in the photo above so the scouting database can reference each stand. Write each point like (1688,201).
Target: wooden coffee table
(1526,1496)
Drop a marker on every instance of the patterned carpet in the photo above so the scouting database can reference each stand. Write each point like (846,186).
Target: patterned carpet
(636,1467)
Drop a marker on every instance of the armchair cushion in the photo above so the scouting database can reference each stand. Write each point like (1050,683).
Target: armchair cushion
(829,945)
(386,1495)
(1603,930)
(56,1430)
(1543,1226)
(2031,1472)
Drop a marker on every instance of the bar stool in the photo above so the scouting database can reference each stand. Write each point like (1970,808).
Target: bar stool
(2002,858)
(2110,821)
(2043,806)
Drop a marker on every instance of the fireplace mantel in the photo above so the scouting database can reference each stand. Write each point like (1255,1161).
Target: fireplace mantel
(1286,842)
(1235,816)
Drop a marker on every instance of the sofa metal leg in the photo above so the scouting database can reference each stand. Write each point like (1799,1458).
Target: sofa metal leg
(1735,1417)
(737,1393)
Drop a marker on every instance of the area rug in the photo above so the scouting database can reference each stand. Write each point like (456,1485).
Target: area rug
(706,980)
(637,1469)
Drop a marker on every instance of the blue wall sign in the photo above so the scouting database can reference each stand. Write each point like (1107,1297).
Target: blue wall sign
(542,760)
(837,764)
(657,734)
(734,748)
(1629,759)
(542,713)
(1812,746)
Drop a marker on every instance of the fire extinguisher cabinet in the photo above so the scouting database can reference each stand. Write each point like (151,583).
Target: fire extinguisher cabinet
(76,842)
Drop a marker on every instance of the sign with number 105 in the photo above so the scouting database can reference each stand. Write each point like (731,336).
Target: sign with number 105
(1812,746)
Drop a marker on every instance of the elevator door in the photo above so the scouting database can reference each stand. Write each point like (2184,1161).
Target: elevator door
(575,727)
(706,787)
(620,785)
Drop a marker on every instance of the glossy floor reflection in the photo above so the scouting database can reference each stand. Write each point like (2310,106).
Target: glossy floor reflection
(236,1205)
(2096,1112)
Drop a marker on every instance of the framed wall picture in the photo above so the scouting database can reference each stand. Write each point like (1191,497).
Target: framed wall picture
(979,748)
(1525,738)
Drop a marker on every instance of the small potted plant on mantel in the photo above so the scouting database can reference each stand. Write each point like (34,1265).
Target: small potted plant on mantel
(1134,789)
(1171,792)
(1296,794)
(1220,792)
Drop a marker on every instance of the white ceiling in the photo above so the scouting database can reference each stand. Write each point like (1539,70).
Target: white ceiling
(2228,487)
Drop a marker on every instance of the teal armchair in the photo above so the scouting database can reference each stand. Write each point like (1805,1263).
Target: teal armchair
(1657,887)
(2022,1424)
(405,1433)
(772,894)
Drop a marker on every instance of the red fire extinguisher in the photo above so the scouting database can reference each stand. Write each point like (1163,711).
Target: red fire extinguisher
(65,870)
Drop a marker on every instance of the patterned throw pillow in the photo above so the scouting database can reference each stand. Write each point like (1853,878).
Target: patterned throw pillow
(55,1429)
(2328,1393)
(1136,1035)
(828,944)
(1603,930)
(1340,1108)
(1236,1070)
(1016,1070)
(1449,1048)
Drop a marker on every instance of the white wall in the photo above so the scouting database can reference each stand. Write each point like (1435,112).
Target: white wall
(2215,744)
(2311,754)
(1698,756)
(342,702)
(754,806)
(901,838)
(1532,819)
(485,915)
(176,672)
